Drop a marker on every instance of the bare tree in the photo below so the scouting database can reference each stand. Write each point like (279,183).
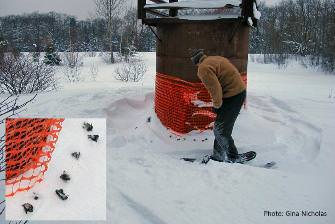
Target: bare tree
(73,62)
(129,42)
(72,58)
(9,106)
(108,10)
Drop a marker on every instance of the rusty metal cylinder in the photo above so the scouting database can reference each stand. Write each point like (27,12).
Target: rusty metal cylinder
(177,41)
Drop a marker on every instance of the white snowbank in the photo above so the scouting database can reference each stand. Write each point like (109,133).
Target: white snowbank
(289,119)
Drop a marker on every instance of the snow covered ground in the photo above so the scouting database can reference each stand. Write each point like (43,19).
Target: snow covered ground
(87,187)
(289,119)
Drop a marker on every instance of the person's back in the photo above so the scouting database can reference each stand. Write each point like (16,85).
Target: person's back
(228,78)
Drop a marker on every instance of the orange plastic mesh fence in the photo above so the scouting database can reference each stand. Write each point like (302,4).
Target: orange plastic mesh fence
(183,106)
(29,145)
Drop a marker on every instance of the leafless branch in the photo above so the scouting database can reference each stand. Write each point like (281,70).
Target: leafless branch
(132,70)
(20,74)
(9,106)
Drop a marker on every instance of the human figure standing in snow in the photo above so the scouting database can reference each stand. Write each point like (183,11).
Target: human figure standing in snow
(228,92)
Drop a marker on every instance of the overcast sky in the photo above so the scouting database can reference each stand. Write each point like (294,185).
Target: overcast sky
(81,8)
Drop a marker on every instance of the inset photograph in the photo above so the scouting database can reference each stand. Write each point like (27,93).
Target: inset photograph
(55,169)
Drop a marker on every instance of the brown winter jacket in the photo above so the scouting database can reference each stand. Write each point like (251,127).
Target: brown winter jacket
(220,77)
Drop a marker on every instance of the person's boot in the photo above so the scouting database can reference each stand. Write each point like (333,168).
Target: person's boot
(220,152)
(232,153)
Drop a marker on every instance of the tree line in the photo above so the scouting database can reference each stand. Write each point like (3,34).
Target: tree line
(304,28)
(36,31)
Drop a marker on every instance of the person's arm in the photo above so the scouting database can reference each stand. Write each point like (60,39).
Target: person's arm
(208,77)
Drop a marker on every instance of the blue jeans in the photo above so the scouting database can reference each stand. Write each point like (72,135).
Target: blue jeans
(224,147)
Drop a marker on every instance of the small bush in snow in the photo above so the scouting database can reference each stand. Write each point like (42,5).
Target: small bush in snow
(132,70)
(105,57)
(72,66)
(72,74)
(72,59)
(94,70)
(21,74)
(118,57)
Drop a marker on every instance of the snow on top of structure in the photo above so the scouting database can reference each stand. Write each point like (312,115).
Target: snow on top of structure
(199,4)
(207,17)
(257,14)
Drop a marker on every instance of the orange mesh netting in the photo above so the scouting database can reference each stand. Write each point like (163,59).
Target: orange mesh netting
(183,106)
(29,145)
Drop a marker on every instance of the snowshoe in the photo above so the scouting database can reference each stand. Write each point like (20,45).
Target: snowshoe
(243,157)
(65,176)
(88,126)
(61,194)
(93,137)
(28,207)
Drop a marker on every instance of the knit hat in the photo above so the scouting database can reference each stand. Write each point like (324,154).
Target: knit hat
(196,55)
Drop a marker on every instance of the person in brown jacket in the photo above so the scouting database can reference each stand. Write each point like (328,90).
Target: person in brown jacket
(228,92)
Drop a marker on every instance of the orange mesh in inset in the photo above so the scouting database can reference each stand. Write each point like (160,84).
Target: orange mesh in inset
(29,145)
(177,104)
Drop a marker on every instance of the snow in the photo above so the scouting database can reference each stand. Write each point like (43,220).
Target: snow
(257,14)
(200,103)
(208,17)
(87,187)
(199,4)
(288,119)
(250,21)
(202,4)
